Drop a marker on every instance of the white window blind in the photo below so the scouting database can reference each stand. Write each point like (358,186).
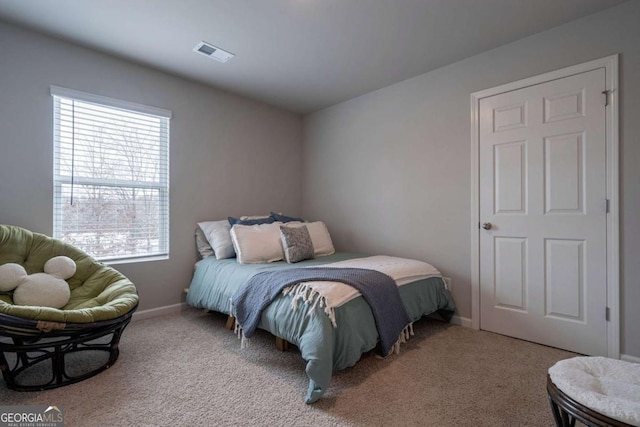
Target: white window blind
(111,176)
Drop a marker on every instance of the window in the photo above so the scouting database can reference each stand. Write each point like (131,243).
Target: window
(110,176)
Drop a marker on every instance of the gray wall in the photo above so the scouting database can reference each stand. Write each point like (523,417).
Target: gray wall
(226,152)
(390,171)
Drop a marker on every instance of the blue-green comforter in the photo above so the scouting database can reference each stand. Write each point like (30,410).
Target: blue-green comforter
(324,347)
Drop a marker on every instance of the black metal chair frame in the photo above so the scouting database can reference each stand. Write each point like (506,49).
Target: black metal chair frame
(34,342)
(567,410)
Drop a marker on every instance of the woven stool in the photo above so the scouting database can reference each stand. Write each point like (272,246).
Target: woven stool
(597,391)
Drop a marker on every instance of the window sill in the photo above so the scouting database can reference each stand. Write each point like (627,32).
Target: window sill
(134,260)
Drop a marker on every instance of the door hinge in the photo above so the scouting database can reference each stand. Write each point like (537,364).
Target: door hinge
(606,97)
(607,314)
(606,205)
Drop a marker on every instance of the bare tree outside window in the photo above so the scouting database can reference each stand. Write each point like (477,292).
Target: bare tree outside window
(111,180)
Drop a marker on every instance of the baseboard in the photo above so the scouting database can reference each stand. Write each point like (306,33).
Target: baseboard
(176,308)
(159,311)
(629,358)
(461,321)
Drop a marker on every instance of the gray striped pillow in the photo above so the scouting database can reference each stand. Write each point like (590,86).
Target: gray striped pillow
(296,242)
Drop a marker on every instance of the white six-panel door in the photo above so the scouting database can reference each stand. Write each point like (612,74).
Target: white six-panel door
(542,201)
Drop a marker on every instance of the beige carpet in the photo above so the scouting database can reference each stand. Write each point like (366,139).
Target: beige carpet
(187,370)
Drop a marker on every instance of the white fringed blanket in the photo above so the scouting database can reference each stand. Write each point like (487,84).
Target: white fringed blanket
(330,295)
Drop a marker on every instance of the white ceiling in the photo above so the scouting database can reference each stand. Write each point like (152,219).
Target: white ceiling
(302,55)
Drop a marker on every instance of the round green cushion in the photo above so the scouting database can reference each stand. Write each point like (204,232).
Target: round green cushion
(98,292)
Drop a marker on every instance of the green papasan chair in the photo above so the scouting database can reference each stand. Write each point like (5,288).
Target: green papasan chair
(43,348)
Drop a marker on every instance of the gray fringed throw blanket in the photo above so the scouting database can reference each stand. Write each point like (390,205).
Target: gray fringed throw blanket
(378,289)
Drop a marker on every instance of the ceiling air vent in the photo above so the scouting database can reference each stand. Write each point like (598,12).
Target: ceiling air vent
(213,52)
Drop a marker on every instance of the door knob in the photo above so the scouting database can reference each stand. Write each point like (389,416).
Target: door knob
(487,226)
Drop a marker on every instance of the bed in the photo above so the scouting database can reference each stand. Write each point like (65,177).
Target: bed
(330,336)
(326,342)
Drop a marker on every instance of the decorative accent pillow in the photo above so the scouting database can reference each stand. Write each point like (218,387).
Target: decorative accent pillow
(283,218)
(11,274)
(257,244)
(296,242)
(256,221)
(322,244)
(48,289)
(217,233)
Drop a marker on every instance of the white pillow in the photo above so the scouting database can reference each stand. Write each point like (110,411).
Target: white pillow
(62,267)
(11,274)
(42,289)
(217,233)
(322,244)
(257,244)
(204,248)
